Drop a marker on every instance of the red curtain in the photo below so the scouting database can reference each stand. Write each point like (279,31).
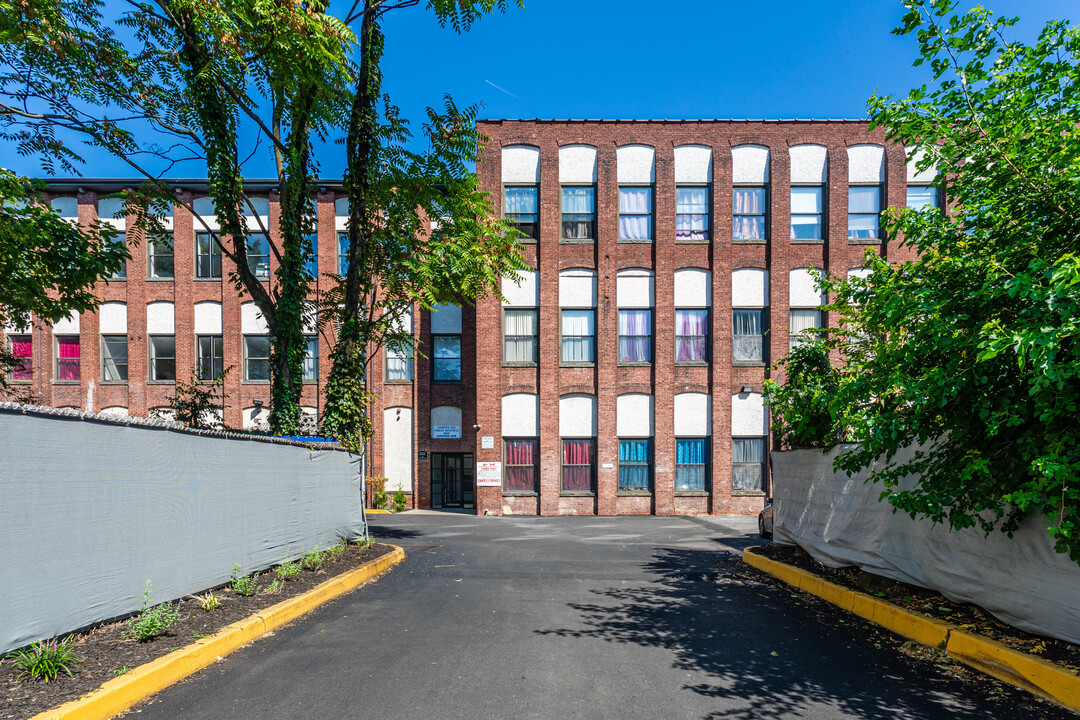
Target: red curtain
(578,453)
(521,465)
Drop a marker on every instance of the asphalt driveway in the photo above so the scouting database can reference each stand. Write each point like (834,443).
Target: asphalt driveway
(632,617)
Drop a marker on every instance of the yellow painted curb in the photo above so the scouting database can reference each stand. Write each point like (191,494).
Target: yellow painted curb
(120,693)
(1021,669)
(377,512)
(1028,671)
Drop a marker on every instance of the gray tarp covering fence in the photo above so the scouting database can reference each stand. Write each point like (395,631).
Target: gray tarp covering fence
(839,521)
(90,510)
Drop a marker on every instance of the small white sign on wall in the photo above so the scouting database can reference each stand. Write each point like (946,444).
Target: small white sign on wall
(446,432)
(487,442)
(488,474)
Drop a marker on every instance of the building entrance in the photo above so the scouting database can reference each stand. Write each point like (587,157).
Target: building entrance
(452,480)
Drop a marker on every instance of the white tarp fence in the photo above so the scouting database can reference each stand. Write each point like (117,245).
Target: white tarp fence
(839,521)
(90,510)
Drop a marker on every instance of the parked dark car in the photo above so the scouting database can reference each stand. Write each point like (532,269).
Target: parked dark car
(764,519)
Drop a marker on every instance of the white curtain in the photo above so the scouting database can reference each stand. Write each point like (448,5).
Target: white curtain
(748,322)
(805,200)
(638,201)
(692,200)
(577,200)
(578,331)
(519,334)
(520,201)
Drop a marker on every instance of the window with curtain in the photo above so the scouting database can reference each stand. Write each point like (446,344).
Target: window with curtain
(311,265)
(804,323)
(579,465)
(67,358)
(446,358)
(635,464)
(520,206)
(160,260)
(635,336)
(519,335)
(691,335)
(635,213)
(578,336)
(920,197)
(399,364)
(691,463)
(120,274)
(521,458)
(748,213)
(579,213)
(258,255)
(311,359)
(256,358)
(210,357)
(163,358)
(748,342)
(114,358)
(806,205)
(343,253)
(691,214)
(22,347)
(207,256)
(748,465)
(864,211)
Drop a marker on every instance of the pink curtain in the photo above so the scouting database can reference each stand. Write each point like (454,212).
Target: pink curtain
(23,347)
(67,358)
(578,465)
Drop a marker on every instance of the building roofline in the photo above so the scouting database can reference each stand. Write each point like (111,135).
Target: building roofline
(191,184)
(678,121)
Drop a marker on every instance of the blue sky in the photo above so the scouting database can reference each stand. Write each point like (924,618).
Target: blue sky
(627,59)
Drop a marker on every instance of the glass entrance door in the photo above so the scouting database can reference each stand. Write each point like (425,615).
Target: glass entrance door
(452,480)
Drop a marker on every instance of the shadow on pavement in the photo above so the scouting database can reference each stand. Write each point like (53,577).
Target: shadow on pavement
(767,653)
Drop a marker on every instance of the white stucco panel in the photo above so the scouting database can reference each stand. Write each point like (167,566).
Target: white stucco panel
(256,417)
(577,288)
(402,321)
(18,324)
(521,415)
(68,207)
(693,288)
(527,294)
(634,415)
(113,211)
(858,273)
(112,318)
(915,155)
(577,164)
(636,163)
(115,411)
(750,164)
(160,318)
(693,164)
(68,325)
(398,448)
(866,164)
(634,288)
(521,164)
(802,288)
(252,321)
(750,287)
(310,315)
(748,416)
(809,164)
(693,415)
(577,416)
(208,318)
(446,319)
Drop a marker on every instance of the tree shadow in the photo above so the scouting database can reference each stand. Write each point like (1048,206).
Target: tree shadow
(771,653)
(384,532)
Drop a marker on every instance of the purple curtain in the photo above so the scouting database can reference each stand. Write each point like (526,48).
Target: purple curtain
(635,336)
(691,331)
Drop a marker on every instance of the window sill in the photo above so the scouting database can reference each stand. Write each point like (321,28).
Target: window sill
(520,493)
(206,279)
(634,364)
(692,242)
(691,363)
(397,382)
(254,382)
(160,382)
(161,279)
(865,241)
(565,241)
(691,493)
(634,493)
(528,241)
(576,365)
(748,363)
(114,383)
(624,241)
(742,241)
(21,382)
(576,493)
(519,364)
(309,382)
(748,493)
(67,382)
(807,242)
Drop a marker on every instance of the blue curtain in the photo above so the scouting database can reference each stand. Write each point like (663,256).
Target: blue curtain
(690,464)
(691,452)
(634,463)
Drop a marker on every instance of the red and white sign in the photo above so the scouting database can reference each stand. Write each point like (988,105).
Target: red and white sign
(488,474)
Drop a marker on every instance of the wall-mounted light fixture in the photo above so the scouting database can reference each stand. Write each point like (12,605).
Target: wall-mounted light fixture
(747,388)
(258,402)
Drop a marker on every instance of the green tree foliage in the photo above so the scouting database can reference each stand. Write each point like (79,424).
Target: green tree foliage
(393,261)
(196,403)
(48,266)
(972,348)
(803,408)
(181,81)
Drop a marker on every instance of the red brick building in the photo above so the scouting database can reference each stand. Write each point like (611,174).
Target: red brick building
(671,265)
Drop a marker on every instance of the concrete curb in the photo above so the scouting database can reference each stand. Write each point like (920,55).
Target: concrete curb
(1016,668)
(120,693)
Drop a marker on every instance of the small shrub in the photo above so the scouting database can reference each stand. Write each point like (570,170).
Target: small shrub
(364,544)
(245,585)
(378,492)
(275,587)
(153,621)
(313,560)
(335,552)
(121,671)
(399,501)
(209,601)
(287,570)
(46,659)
